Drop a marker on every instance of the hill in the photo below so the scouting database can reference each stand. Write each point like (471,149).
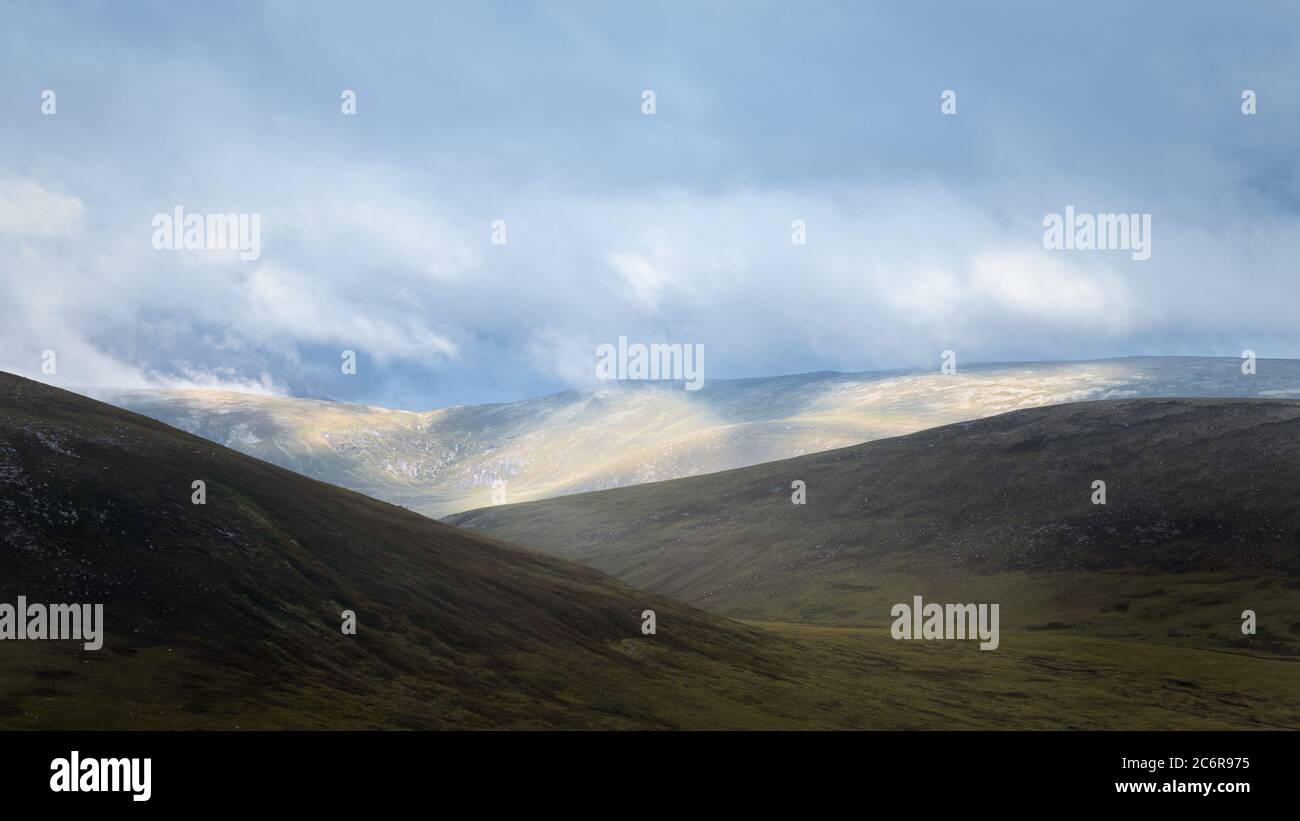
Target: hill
(227,615)
(1201,522)
(446,461)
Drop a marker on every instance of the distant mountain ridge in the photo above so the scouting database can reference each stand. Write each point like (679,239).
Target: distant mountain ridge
(444,461)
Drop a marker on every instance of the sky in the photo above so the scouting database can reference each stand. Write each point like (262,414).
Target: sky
(924,230)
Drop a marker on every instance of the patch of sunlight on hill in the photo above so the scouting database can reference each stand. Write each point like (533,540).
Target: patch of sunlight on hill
(445,461)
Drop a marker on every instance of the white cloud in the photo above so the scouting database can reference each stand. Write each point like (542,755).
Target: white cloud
(28,209)
(645,279)
(566,354)
(295,307)
(1048,289)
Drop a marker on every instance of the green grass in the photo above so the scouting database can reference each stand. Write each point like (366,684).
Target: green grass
(798,677)
(1202,522)
(227,617)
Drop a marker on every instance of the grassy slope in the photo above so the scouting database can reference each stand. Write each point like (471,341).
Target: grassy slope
(226,616)
(1202,522)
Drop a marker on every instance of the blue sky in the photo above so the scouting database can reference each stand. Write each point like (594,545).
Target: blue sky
(924,230)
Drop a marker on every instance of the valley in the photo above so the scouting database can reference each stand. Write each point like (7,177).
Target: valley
(227,615)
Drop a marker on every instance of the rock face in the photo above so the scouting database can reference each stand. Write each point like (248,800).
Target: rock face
(446,461)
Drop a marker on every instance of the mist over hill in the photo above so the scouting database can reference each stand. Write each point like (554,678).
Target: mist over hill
(445,461)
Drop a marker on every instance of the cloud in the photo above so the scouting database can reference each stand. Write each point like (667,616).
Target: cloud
(645,279)
(227,379)
(1047,289)
(289,305)
(27,209)
(924,231)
